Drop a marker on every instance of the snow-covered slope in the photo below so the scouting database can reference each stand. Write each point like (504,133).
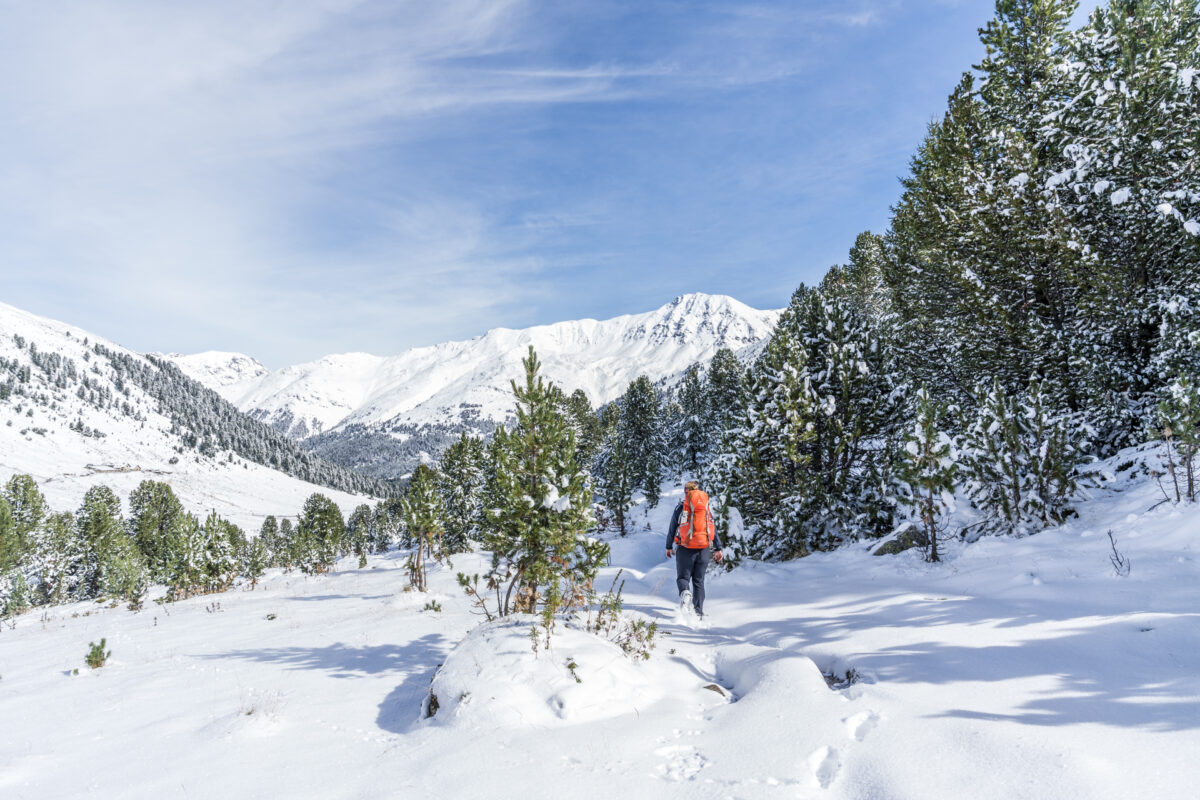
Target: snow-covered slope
(71,419)
(1018,669)
(457,382)
(216,369)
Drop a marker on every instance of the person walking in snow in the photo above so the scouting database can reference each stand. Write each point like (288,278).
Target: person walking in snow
(692,539)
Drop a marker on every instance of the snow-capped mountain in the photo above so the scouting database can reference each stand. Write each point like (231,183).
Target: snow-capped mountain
(216,369)
(463,382)
(77,410)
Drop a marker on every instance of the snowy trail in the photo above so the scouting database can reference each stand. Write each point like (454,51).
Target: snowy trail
(1018,669)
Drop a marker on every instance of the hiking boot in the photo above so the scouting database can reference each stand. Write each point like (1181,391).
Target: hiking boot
(685,600)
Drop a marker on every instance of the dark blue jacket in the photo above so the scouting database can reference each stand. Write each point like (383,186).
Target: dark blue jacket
(674,529)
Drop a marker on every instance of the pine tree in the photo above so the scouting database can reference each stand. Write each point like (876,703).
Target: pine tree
(424,513)
(589,434)
(256,561)
(1130,186)
(388,524)
(538,512)
(1020,462)
(640,428)
(461,485)
(187,559)
(11,549)
(319,535)
(725,391)
(358,531)
(291,547)
(616,483)
(224,549)
(690,438)
(59,560)
(154,513)
(113,564)
(28,509)
(769,453)
(268,534)
(926,472)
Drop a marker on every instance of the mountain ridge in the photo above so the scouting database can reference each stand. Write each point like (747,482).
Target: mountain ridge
(458,383)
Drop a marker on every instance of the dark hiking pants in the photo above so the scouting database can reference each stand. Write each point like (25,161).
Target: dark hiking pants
(690,566)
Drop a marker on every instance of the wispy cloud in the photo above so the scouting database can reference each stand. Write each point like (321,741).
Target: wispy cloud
(166,158)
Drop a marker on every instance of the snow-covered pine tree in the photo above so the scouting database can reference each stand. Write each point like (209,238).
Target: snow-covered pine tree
(388,524)
(320,534)
(689,439)
(538,510)
(10,546)
(28,509)
(154,513)
(589,433)
(1130,187)
(461,485)
(616,483)
(255,561)
(641,431)
(58,559)
(424,515)
(1020,463)
(358,531)
(187,559)
(854,414)
(290,546)
(768,451)
(224,546)
(927,472)
(113,564)
(268,534)
(725,393)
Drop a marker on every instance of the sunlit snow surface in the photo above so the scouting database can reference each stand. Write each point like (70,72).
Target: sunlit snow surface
(1016,669)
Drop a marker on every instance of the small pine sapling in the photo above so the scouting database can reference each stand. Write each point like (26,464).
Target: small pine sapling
(97,656)
(1179,415)
(927,472)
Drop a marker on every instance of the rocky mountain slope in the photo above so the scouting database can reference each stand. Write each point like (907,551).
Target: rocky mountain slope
(77,410)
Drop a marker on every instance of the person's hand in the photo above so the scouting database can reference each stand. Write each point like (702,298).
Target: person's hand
(718,557)
(669,553)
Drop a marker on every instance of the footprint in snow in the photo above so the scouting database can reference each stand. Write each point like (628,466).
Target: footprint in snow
(824,763)
(680,762)
(861,724)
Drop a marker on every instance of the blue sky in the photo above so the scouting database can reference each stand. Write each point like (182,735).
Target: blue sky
(295,179)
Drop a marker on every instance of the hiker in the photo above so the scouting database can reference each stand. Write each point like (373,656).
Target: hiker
(692,534)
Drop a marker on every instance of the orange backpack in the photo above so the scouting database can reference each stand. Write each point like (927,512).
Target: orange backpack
(694,530)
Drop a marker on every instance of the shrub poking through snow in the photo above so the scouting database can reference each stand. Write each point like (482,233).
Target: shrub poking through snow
(634,636)
(1121,563)
(97,656)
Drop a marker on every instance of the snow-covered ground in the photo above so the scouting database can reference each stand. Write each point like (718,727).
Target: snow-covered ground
(1019,668)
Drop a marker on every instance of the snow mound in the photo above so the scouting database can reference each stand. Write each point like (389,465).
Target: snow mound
(493,678)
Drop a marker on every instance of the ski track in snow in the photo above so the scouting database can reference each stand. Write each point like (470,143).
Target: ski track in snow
(1017,669)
